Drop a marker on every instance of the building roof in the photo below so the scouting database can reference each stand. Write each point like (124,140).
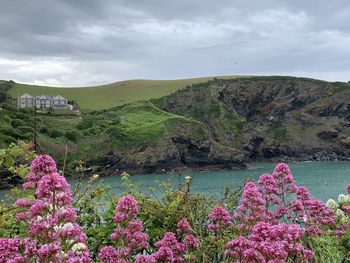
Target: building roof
(58,97)
(42,97)
(26,96)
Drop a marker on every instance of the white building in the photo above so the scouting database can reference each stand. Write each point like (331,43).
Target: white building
(25,101)
(42,102)
(59,102)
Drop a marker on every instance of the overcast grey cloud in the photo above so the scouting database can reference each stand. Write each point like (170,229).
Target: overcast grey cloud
(88,42)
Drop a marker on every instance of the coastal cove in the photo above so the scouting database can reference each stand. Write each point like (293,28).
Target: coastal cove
(323,179)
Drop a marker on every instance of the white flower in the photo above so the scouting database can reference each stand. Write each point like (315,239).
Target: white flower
(339,213)
(78,248)
(342,198)
(57,227)
(95,176)
(67,225)
(347,199)
(188,179)
(305,218)
(39,218)
(332,204)
(60,195)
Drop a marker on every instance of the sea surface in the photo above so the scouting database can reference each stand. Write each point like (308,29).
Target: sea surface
(324,179)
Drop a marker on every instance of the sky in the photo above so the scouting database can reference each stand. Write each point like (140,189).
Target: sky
(90,42)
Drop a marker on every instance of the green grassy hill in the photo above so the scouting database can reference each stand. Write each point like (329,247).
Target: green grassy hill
(114,94)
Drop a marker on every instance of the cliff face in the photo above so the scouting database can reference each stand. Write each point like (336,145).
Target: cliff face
(271,117)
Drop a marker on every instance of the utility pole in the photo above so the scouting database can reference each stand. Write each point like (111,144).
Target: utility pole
(34,134)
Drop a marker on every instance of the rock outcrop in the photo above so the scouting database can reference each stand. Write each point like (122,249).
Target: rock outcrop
(269,118)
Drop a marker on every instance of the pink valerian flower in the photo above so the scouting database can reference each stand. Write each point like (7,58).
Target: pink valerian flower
(128,234)
(220,217)
(145,259)
(17,250)
(51,216)
(252,208)
(126,209)
(183,227)
(269,243)
(346,209)
(10,250)
(169,249)
(109,254)
(41,165)
(176,249)
(314,214)
(269,204)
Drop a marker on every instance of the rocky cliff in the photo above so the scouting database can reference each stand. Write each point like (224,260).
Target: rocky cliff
(269,118)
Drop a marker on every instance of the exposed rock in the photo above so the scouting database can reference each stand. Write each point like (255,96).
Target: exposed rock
(275,117)
(253,148)
(345,142)
(327,135)
(7,180)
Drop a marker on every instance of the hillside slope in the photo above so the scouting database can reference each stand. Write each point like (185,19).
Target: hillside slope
(223,123)
(111,95)
(271,117)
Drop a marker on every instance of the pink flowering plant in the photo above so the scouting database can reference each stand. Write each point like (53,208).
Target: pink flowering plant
(273,217)
(53,235)
(272,220)
(128,236)
(131,243)
(177,247)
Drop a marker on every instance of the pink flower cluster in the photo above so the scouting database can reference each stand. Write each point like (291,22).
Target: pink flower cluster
(53,234)
(263,213)
(220,217)
(177,249)
(130,239)
(17,250)
(128,234)
(41,165)
(279,199)
(269,243)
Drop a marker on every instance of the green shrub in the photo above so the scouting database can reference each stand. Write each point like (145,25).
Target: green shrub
(44,130)
(6,140)
(326,249)
(279,132)
(72,135)
(17,122)
(114,132)
(8,130)
(24,129)
(55,133)
(85,123)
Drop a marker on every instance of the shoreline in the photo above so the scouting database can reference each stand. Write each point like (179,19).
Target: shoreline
(154,169)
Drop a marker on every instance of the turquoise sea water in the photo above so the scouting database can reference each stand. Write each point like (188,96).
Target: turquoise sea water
(324,179)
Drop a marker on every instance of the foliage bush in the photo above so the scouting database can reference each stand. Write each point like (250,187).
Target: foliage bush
(44,130)
(17,122)
(24,129)
(9,130)
(85,123)
(72,135)
(54,133)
